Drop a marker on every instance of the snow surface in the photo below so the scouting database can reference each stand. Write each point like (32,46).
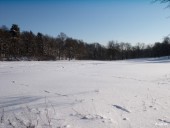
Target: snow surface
(86,94)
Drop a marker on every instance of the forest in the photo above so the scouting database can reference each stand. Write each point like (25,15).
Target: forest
(26,45)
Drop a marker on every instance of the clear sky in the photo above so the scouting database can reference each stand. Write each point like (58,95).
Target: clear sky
(90,20)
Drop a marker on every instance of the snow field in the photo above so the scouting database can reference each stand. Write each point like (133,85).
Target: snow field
(85,94)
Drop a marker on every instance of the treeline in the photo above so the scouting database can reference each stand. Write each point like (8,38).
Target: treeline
(16,45)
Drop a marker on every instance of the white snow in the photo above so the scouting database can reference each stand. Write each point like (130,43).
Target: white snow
(85,94)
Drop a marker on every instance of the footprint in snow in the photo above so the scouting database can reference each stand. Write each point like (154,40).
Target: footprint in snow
(46,91)
(60,94)
(125,118)
(165,121)
(121,108)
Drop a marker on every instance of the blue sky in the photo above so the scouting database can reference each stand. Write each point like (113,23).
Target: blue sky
(100,21)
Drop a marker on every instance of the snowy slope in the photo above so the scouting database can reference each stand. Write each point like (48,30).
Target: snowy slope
(85,94)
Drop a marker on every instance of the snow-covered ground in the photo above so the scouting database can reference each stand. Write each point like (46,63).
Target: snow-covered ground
(85,94)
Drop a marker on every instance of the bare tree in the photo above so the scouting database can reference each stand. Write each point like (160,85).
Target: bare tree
(162,2)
